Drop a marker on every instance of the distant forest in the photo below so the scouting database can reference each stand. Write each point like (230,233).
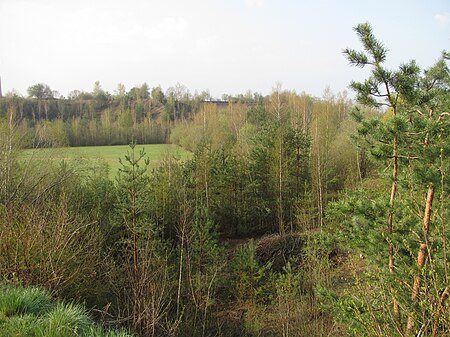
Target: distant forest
(101,118)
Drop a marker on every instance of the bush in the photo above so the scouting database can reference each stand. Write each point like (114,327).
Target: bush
(251,278)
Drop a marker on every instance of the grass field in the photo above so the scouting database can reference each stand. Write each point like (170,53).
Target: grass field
(109,155)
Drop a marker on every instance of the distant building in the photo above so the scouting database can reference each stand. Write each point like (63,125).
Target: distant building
(219,103)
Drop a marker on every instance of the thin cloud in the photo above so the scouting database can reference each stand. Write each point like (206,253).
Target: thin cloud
(443,19)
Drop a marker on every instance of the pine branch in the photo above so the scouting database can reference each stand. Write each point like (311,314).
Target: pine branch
(355,58)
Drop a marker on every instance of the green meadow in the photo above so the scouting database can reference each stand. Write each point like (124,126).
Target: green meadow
(105,155)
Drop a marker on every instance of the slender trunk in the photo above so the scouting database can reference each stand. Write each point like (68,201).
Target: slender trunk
(39,108)
(180,271)
(280,186)
(46,109)
(208,294)
(297,173)
(359,164)
(319,173)
(416,286)
(134,220)
(135,255)
(10,143)
(326,153)
(204,122)
(390,222)
(305,130)
(442,197)
(205,177)
(8,157)
(444,296)
(136,282)
(277,107)
(136,285)
(427,215)
(319,181)
(393,103)
(422,254)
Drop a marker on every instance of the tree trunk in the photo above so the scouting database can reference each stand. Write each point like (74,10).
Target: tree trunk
(390,221)
(280,186)
(442,197)
(421,255)
(319,182)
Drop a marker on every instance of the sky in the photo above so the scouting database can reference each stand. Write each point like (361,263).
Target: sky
(224,46)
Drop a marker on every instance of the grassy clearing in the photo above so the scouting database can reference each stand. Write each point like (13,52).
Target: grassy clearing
(106,155)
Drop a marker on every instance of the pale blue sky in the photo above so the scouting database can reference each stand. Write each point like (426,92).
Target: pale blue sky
(224,46)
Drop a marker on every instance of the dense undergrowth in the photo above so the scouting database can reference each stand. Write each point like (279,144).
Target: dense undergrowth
(295,216)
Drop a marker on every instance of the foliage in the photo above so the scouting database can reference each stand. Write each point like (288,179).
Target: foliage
(250,283)
(40,91)
(402,232)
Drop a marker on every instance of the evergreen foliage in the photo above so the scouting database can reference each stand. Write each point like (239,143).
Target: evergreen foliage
(406,257)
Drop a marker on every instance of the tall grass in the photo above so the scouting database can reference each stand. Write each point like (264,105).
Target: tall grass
(19,301)
(30,312)
(66,319)
(20,326)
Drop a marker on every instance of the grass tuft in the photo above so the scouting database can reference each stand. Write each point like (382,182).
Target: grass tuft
(30,312)
(20,301)
(66,319)
(21,326)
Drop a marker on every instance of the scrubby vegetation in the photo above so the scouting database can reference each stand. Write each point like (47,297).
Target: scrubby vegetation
(295,215)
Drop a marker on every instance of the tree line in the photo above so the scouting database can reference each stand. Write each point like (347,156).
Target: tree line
(142,114)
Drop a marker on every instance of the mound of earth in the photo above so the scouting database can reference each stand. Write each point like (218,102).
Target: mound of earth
(279,249)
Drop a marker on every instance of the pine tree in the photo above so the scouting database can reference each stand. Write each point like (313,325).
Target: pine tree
(412,139)
(132,185)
